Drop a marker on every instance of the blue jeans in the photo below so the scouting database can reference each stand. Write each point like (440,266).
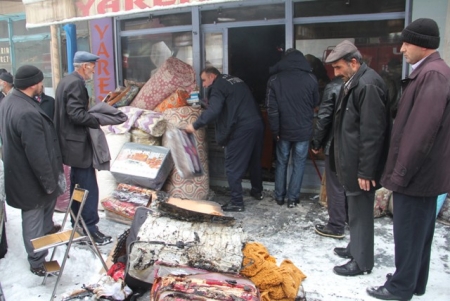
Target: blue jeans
(299,154)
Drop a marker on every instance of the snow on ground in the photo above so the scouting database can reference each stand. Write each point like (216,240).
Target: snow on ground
(287,233)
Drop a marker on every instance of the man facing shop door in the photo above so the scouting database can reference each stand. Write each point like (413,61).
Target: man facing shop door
(292,94)
(239,128)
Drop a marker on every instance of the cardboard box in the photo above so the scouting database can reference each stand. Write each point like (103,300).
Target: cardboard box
(142,165)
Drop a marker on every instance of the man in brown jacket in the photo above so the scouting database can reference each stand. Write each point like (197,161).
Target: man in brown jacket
(417,165)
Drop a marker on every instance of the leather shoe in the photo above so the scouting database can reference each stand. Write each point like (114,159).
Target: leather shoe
(56,228)
(389,276)
(280,202)
(325,231)
(380,292)
(257,195)
(350,269)
(230,207)
(342,252)
(291,204)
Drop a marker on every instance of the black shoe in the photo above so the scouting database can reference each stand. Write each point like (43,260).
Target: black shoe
(325,231)
(389,276)
(350,269)
(342,252)
(101,239)
(280,202)
(39,271)
(230,207)
(380,292)
(257,195)
(56,228)
(291,204)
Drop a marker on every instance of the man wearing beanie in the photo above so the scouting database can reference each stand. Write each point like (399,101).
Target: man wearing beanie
(418,161)
(361,135)
(6,84)
(72,123)
(34,175)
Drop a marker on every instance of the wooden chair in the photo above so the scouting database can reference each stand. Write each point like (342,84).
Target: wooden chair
(66,237)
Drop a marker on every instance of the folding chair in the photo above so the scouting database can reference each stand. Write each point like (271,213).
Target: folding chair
(66,237)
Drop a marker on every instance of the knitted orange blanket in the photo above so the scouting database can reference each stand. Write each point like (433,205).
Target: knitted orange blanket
(274,283)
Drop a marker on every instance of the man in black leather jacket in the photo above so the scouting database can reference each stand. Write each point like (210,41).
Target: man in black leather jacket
(322,138)
(239,128)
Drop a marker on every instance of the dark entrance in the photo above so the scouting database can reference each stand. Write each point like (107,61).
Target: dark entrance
(251,52)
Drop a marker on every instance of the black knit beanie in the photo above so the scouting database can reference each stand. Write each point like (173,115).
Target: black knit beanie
(423,33)
(27,76)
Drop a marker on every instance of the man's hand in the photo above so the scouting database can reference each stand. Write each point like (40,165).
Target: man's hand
(365,184)
(189,128)
(315,151)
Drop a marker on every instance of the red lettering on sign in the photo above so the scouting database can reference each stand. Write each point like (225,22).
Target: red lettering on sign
(85,8)
(102,50)
(100,32)
(114,5)
(131,4)
(103,83)
(102,67)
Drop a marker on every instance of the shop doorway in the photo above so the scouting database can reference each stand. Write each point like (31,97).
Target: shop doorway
(251,52)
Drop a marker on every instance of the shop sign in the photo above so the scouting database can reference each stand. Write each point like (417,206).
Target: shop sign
(102,45)
(4,55)
(99,7)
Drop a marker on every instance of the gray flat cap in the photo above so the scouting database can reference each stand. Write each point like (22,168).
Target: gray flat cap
(342,49)
(85,57)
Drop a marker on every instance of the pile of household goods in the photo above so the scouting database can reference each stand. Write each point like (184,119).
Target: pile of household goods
(146,147)
(192,252)
(384,204)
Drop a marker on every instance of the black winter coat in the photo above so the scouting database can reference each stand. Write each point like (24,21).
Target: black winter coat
(231,105)
(323,129)
(73,120)
(31,155)
(292,94)
(362,126)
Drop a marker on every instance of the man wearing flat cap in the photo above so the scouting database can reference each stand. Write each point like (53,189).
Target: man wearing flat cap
(359,150)
(6,84)
(34,175)
(72,123)
(417,168)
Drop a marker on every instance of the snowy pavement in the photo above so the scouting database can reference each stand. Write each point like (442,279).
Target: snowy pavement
(287,234)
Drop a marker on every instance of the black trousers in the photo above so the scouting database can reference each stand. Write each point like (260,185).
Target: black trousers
(337,202)
(360,219)
(87,179)
(243,152)
(414,222)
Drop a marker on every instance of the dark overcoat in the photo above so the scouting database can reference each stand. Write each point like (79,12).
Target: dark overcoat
(31,155)
(361,130)
(419,153)
(73,120)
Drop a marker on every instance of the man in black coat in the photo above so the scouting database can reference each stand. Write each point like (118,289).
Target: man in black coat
(292,94)
(359,150)
(239,128)
(323,138)
(33,168)
(72,123)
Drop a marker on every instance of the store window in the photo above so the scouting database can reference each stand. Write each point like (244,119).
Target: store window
(346,7)
(378,41)
(157,21)
(214,50)
(35,53)
(238,14)
(143,54)
(20,29)
(4,34)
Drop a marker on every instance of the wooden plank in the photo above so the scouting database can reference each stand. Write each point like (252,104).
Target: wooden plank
(51,266)
(54,240)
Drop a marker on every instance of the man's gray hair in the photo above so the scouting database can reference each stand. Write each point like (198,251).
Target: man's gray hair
(77,65)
